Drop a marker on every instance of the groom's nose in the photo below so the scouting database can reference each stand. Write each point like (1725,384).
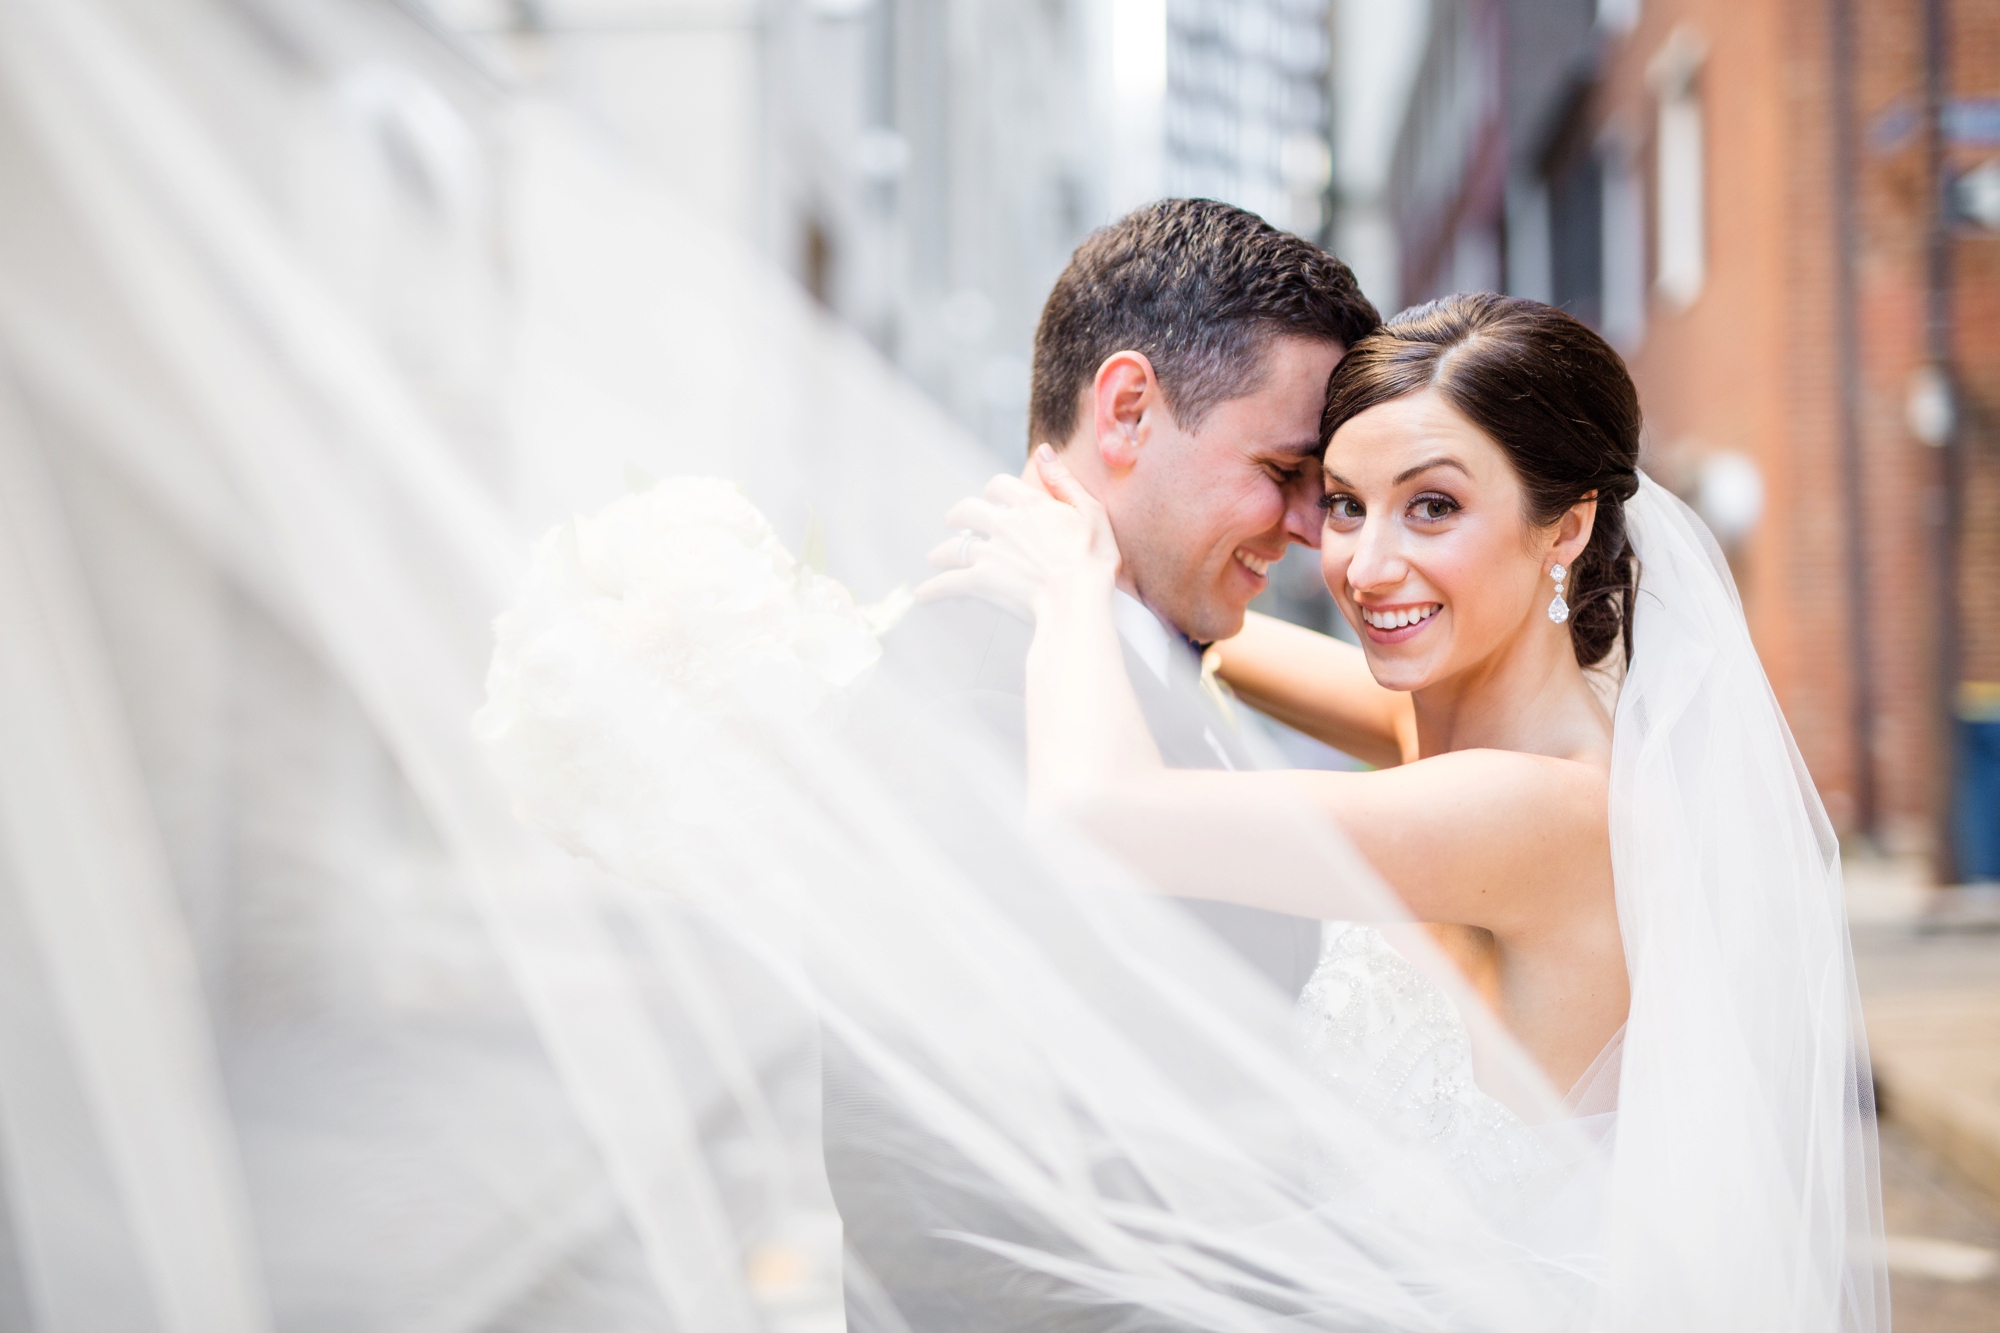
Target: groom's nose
(1304,519)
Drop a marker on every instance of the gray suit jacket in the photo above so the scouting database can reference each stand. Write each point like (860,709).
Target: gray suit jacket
(972,658)
(895,1189)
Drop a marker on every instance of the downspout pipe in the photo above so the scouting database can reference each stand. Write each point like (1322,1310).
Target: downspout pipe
(1847,251)
(1938,348)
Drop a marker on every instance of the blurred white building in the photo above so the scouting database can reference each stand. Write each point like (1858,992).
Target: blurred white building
(1468,158)
(1247,106)
(925,167)
(1377,48)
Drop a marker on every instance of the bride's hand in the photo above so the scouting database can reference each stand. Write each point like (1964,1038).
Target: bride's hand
(1024,549)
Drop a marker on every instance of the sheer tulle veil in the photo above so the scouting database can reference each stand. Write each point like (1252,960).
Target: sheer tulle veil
(322,1008)
(1746,1138)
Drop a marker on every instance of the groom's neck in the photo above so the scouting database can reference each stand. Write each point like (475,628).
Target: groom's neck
(1091,480)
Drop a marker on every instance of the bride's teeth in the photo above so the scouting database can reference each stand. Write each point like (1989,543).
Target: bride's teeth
(1399,619)
(1253,563)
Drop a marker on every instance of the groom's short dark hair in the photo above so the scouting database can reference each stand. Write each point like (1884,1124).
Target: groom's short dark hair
(1198,287)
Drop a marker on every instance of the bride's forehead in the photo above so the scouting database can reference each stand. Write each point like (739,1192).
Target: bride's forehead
(1387,439)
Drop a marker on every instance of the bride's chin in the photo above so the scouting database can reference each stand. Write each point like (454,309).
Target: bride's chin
(1400,681)
(1392,671)
(1387,669)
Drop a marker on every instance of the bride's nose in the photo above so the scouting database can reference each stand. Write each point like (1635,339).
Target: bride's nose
(1377,562)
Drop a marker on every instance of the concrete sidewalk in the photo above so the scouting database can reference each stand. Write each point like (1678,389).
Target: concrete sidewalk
(1933,1012)
(1930,986)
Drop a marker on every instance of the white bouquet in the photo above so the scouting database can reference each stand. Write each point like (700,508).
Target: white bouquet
(657,647)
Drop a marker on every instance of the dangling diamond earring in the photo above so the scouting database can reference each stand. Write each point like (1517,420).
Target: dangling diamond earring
(1558,609)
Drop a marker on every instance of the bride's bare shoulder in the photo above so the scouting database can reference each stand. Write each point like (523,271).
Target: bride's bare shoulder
(1447,831)
(1502,783)
(1529,818)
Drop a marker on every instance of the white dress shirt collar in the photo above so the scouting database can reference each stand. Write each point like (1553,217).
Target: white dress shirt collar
(1148,636)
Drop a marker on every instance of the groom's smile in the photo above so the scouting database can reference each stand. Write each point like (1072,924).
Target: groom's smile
(1256,564)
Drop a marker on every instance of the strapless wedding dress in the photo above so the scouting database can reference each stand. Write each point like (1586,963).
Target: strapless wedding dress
(1390,1043)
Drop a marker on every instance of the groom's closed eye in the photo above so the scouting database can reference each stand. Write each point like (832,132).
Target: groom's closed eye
(1289,469)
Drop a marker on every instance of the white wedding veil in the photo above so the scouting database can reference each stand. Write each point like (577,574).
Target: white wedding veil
(308,331)
(1746,1115)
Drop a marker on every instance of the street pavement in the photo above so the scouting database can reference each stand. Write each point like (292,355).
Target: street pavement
(1929,967)
(1943,1231)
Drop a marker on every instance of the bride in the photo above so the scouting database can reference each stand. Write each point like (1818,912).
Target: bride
(1490,538)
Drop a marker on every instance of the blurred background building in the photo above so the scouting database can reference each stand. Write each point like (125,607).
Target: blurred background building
(1739,197)
(1780,214)
(1784,214)
(925,167)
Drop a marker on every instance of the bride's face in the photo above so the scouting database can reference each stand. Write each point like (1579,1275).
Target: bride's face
(1427,546)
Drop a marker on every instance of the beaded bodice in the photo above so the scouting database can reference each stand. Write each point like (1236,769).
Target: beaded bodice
(1389,1043)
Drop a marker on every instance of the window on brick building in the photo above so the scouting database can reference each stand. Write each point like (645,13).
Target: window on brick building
(1680,193)
(1624,244)
(1576,239)
(1575,186)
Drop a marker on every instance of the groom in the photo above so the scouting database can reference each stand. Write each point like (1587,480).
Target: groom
(1180,367)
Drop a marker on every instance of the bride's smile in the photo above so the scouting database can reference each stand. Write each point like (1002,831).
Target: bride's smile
(1386,624)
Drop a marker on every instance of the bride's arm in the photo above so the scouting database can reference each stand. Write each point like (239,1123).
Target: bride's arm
(1085,730)
(1321,686)
(1485,838)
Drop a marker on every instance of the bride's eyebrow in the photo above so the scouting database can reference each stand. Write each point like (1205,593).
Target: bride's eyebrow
(1334,478)
(1427,465)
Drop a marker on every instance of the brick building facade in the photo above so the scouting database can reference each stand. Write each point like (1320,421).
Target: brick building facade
(1755,364)
(1671,171)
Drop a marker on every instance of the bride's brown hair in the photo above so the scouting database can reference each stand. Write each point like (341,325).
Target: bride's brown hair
(1553,395)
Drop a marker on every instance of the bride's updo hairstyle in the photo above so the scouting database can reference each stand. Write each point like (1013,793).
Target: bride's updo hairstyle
(1553,395)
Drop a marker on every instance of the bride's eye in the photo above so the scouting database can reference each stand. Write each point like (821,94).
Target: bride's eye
(1433,507)
(1341,507)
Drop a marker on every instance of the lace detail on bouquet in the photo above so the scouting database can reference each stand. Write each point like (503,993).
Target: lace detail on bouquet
(1388,1042)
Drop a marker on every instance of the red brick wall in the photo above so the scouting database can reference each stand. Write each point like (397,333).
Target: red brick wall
(1753,366)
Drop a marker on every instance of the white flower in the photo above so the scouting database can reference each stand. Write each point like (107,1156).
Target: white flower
(635,685)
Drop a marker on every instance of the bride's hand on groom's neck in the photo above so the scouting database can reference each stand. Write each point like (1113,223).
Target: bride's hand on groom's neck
(1030,546)
(1031,471)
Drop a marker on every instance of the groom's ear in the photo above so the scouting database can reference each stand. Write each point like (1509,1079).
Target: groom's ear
(1125,401)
